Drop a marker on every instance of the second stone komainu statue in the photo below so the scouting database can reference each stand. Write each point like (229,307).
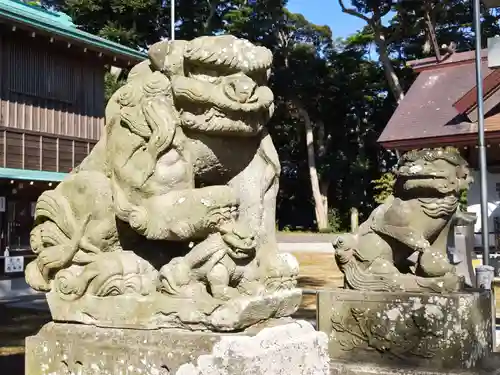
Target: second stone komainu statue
(170,221)
(405,304)
(402,246)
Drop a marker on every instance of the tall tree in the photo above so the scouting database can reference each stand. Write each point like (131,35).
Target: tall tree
(373,12)
(298,62)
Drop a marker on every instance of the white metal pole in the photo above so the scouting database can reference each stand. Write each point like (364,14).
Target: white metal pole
(172,19)
(485,273)
(481,141)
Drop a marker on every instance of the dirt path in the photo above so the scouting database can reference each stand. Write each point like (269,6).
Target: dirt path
(317,271)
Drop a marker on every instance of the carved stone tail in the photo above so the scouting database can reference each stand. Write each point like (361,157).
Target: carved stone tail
(356,278)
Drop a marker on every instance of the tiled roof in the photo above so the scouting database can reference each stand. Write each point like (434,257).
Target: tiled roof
(60,24)
(428,111)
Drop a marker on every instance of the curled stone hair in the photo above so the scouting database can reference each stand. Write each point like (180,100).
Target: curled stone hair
(229,52)
(449,154)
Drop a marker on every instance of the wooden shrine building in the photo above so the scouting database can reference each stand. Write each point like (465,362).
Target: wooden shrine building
(51,108)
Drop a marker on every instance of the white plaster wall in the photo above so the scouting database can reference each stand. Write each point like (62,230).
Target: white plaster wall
(474,203)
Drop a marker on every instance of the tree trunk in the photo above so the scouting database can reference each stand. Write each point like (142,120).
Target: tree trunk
(320,200)
(324,185)
(390,73)
(354,219)
(431,32)
(208,23)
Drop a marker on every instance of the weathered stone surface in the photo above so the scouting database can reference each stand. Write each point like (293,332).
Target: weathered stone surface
(491,366)
(151,312)
(278,347)
(294,349)
(415,330)
(344,368)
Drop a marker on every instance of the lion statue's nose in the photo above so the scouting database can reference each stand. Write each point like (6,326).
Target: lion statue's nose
(337,242)
(240,90)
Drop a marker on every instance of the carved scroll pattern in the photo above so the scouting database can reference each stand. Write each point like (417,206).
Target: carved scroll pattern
(408,335)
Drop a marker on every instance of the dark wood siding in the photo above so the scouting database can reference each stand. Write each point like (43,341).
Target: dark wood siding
(29,150)
(49,154)
(32,148)
(65,150)
(48,89)
(80,151)
(14,150)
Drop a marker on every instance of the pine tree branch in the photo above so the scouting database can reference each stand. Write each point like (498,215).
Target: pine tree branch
(213,6)
(431,30)
(395,34)
(353,12)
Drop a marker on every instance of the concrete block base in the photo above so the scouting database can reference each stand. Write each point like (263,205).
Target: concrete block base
(280,347)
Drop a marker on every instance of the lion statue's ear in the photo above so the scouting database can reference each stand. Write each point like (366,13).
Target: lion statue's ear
(168,57)
(140,70)
(464,177)
(157,54)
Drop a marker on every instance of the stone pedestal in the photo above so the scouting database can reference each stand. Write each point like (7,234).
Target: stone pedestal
(386,332)
(281,347)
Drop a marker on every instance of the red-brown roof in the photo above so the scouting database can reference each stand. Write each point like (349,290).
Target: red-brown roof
(448,61)
(428,113)
(469,100)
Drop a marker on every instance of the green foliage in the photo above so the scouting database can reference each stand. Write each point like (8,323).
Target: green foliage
(335,224)
(463,200)
(384,187)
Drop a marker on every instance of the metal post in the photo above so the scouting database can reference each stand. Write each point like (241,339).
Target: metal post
(172,19)
(481,146)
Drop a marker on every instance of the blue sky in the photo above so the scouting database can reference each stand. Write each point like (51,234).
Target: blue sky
(327,12)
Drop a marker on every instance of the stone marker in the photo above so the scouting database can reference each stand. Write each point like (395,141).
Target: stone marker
(404,307)
(461,252)
(164,236)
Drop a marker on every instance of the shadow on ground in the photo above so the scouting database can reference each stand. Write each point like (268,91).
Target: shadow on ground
(308,282)
(15,325)
(12,364)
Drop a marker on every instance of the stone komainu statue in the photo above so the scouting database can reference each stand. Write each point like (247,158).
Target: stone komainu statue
(174,208)
(403,244)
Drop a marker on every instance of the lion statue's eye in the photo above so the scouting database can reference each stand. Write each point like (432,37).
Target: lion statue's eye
(205,78)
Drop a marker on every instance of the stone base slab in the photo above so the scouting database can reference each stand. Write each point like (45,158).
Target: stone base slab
(395,330)
(282,346)
(344,368)
(161,311)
